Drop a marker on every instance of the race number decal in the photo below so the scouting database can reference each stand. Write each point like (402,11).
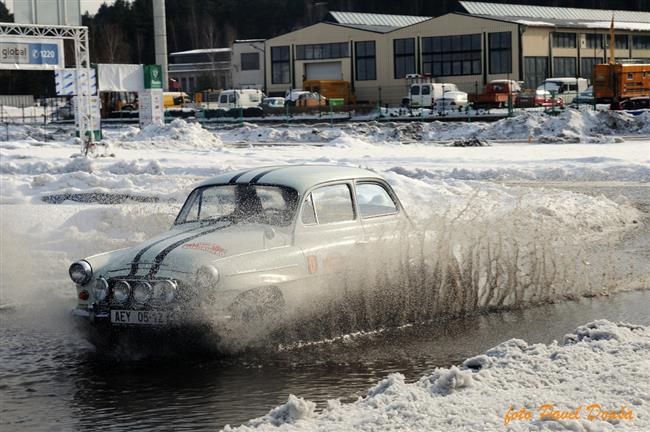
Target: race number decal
(312,263)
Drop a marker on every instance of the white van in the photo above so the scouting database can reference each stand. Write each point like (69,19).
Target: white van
(424,94)
(565,88)
(244,98)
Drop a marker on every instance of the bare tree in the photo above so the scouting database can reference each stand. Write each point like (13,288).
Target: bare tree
(114,43)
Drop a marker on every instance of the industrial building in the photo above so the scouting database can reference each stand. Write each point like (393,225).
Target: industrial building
(201,68)
(247,67)
(485,41)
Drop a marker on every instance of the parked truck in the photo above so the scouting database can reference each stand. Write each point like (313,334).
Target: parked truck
(497,94)
(331,89)
(619,81)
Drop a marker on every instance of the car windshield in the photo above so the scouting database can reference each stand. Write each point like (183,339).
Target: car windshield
(240,204)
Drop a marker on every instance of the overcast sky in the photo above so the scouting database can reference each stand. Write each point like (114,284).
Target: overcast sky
(86,5)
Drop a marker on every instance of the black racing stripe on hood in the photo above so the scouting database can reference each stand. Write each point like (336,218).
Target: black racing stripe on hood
(161,256)
(136,260)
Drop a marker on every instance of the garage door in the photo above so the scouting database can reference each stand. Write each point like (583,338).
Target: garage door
(324,71)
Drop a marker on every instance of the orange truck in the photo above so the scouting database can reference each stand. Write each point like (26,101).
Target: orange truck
(496,94)
(331,89)
(619,81)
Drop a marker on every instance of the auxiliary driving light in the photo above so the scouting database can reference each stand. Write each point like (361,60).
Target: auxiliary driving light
(100,290)
(121,291)
(142,292)
(164,291)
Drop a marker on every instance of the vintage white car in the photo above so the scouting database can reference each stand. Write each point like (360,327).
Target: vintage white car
(248,244)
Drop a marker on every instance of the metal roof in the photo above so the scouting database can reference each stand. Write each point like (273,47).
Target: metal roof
(298,177)
(500,10)
(202,51)
(372,19)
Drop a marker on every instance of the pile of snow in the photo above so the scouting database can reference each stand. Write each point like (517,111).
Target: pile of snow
(505,388)
(177,134)
(19,132)
(570,126)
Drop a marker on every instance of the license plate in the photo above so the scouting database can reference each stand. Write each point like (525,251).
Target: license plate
(149,317)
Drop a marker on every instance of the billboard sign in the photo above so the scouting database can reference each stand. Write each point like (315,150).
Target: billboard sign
(65,81)
(153,77)
(48,12)
(29,53)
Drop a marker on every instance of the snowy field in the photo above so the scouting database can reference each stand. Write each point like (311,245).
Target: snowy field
(50,216)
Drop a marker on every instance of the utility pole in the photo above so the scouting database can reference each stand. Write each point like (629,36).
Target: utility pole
(160,39)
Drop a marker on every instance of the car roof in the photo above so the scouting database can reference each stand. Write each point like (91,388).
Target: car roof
(298,177)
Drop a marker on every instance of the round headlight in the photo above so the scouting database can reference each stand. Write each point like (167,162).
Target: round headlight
(121,291)
(207,277)
(100,290)
(142,292)
(164,291)
(80,272)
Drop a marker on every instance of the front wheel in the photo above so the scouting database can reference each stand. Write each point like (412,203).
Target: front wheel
(258,305)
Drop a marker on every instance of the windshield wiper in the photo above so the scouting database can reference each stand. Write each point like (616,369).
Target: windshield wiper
(211,221)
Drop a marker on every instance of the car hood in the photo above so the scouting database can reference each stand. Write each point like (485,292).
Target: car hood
(185,249)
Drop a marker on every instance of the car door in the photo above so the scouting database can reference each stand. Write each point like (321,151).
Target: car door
(426,96)
(329,233)
(385,226)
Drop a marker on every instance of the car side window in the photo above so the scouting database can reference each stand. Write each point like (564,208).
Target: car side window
(223,98)
(374,200)
(333,204)
(308,212)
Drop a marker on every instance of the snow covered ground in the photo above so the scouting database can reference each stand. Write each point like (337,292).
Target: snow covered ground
(473,187)
(597,379)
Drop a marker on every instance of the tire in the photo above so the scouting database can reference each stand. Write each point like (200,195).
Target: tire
(258,305)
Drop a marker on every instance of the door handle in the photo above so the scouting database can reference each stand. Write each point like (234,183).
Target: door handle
(361,242)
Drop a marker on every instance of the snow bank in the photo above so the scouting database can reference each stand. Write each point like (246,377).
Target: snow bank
(570,126)
(505,388)
(177,134)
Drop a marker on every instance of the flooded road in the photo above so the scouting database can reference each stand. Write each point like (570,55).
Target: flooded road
(51,380)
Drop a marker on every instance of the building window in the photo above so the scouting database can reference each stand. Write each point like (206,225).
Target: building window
(250,61)
(500,52)
(641,42)
(564,40)
(564,67)
(404,57)
(587,66)
(322,51)
(452,55)
(535,71)
(366,68)
(594,40)
(621,42)
(280,68)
